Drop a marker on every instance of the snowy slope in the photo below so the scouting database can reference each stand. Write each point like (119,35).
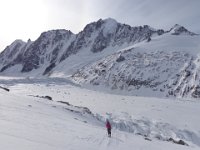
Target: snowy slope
(169,65)
(30,122)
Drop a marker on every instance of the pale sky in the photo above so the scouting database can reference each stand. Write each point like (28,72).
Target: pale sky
(24,19)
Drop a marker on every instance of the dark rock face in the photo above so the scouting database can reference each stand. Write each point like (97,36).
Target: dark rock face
(196,92)
(70,50)
(30,63)
(6,89)
(181,142)
(6,67)
(43,97)
(49,68)
(120,59)
(100,43)
(48,97)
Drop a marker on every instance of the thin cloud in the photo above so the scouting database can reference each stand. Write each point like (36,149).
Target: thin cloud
(28,18)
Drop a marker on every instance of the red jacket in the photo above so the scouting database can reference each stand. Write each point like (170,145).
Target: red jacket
(108,126)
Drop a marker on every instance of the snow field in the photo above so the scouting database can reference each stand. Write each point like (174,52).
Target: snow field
(43,124)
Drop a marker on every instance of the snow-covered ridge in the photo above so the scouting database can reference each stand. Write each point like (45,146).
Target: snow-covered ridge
(53,47)
(33,55)
(180,30)
(11,51)
(135,60)
(149,69)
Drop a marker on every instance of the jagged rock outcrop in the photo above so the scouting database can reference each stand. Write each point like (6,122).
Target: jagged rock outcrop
(46,48)
(52,47)
(32,55)
(102,34)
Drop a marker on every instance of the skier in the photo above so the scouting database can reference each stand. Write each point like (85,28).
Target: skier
(108,126)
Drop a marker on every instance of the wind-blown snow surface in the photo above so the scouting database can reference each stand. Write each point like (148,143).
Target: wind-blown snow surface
(29,121)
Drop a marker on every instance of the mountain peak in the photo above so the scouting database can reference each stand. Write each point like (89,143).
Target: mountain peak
(18,41)
(177,26)
(180,30)
(107,20)
(110,26)
(56,32)
(106,26)
(110,20)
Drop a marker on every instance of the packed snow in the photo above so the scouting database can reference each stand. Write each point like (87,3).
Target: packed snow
(74,118)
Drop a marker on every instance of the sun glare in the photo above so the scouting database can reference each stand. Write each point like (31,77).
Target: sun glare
(19,16)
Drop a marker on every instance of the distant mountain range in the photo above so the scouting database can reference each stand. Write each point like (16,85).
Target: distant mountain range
(133,60)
